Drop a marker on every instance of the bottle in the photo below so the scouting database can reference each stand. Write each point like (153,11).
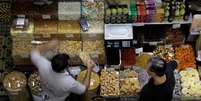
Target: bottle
(119,14)
(113,17)
(108,15)
(125,14)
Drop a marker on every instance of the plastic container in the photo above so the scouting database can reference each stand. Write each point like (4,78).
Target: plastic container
(16,85)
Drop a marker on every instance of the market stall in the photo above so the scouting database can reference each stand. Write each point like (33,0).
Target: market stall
(120,36)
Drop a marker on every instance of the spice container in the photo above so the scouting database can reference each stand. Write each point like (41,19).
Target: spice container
(93,10)
(15,84)
(35,86)
(185,56)
(109,83)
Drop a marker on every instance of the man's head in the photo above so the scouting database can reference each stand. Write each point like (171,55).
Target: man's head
(156,67)
(59,62)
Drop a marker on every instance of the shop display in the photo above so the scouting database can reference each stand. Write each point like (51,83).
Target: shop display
(128,57)
(129,83)
(109,83)
(142,60)
(185,55)
(190,82)
(84,57)
(165,52)
(93,10)
(15,83)
(117,14)
(69,10)
(95,49)
(35,84)
(45,26)
(94,82)
(26,30)
(21,48)
(70,47)
(69,27)
(174,37)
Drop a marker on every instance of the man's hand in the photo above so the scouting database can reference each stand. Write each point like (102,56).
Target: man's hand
(90,64)
(51,45)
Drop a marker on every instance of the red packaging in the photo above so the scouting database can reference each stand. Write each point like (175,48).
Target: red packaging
(128,57)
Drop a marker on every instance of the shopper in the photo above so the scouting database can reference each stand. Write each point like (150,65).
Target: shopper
(56,81)
(161,84)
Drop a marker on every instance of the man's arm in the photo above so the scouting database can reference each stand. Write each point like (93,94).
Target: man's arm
(87,78)
(36,57)
(79,88)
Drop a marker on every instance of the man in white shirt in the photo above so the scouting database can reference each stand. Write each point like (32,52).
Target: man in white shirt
(56,81)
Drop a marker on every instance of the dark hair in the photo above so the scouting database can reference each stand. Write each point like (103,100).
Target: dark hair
(158,66)
(59,62)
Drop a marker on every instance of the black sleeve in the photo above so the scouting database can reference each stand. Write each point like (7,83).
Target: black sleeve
(172,65)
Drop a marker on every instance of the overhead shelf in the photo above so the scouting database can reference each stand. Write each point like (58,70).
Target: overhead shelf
(157,23)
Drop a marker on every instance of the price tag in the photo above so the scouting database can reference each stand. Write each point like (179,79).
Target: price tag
(138,50)
(126,44)
(20,22)
(175,26)
(90,0)
(21,16)
(195,33)
(153,43)
(46,16)
(69,36)
(138,24)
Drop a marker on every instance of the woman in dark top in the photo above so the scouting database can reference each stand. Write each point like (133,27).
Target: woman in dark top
(161,85)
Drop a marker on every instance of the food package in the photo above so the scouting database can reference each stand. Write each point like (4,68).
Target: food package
(129,83)
(69,10)
(142,60)
(35,84)
(94,82)
(69,27)
(95,27)
(128,57)
(177,88)
(196,26)
(15,83)
(45,26)
(185,56)
(109,83)
(70,47)
(95,49)
(25,32)
(190,82)
(22,47)
(93,10)
(167,53)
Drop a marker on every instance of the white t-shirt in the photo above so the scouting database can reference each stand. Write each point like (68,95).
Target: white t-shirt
(57,86)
